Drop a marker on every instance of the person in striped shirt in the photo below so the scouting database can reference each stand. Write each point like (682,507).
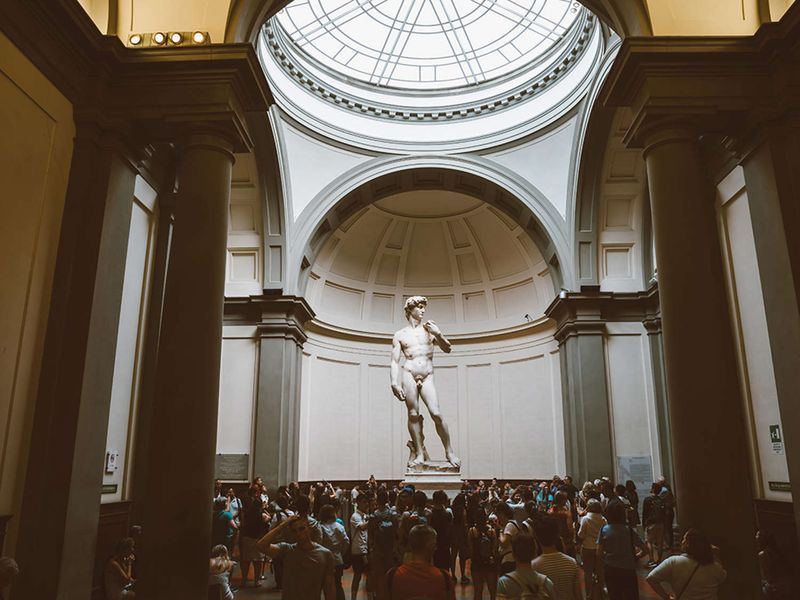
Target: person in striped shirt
(561,569)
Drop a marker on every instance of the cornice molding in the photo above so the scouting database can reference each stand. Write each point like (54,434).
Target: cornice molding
(725,85)
(274,316)
(154,94)
(586,312)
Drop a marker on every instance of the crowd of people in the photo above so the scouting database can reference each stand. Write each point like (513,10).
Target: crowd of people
(547,539)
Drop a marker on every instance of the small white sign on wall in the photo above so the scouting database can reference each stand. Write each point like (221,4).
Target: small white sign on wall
(112,458)
(776,439)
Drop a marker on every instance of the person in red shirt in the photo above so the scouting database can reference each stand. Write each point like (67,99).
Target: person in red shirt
(417,577)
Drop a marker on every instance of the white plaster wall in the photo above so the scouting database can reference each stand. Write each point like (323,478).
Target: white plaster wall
(752,336)
(630,393)
(501,400)
(130,338)
(237,390)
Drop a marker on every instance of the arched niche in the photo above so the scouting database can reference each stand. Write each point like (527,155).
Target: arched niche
(518,201)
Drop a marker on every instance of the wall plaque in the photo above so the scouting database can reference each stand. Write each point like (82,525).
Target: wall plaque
(232,467)
(638,469)
(780,486)
(108,488)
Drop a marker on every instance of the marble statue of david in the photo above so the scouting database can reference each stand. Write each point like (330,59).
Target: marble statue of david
(413,379)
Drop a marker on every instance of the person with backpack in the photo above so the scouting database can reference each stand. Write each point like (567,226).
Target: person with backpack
(483,550)
(508,531)
(359,545)
(617,546)
(382,534)
(335,539)
(562,515)
(693,575)
(523,582)
(441,519)
(591,524)
(653,517)
(417,577)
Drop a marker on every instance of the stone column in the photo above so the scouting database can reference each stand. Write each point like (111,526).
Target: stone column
(713,483)
(146,409)
(177,508)
(61,498)
(772,178)
(277,418)
(655,340)
(587,420)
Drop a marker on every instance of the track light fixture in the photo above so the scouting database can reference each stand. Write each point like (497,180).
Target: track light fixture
(171,38)
(159,38)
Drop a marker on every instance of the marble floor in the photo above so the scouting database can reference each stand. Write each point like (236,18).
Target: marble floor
(463,592)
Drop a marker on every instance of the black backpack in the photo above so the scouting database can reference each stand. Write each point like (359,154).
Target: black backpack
(657,512)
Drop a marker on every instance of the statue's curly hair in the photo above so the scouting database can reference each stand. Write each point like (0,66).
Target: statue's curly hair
(413,302)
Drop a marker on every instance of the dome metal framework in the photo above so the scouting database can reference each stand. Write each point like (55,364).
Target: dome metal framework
(418,45)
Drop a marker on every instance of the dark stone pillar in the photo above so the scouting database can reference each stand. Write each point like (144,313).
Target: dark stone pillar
(61,498)
(772,178)
(277,418)
(587,420)
(146,409)
(712,475)
(180,467)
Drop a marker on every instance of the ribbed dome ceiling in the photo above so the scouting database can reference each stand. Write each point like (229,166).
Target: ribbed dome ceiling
(480,271)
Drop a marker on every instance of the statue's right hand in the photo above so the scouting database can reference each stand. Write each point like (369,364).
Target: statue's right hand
(398,392)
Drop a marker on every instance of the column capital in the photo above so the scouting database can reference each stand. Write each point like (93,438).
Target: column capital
(725,85)
(274,316)
(586,312)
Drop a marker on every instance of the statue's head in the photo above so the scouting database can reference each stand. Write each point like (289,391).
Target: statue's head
(413,302)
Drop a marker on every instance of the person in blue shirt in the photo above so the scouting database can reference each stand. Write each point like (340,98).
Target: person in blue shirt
(619,547)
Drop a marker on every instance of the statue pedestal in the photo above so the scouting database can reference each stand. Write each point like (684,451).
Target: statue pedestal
(435,475)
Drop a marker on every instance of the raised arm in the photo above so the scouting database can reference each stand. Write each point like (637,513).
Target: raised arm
(438,336)
(394,369)
(265,544)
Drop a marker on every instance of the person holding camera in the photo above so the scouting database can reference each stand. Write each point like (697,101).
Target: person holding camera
(118,576)
(483,550)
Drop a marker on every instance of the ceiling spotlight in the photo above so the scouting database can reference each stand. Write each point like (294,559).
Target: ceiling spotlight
(135,39)
(175,37)
(159,38)
(199,37)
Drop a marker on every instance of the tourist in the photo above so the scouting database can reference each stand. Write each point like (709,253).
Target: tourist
(523,579)
(219,574)
(562,515)
(302,508)
(441,519)
(633,497)
(118,578)
(696,574)
(617,546)
(462,520)
(335,539)
(668,500)
(308,567)
(561,569)
(223,524)
(778,581)
(653,515)
(508,530)
(483,550)
(281,513)
(590,525)
(9,571)
(254,524)
(382,536)
(417,577)
(359,545)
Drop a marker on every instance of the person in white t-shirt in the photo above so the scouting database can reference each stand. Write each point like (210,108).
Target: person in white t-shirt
(591,524)
(696,574)
(359,546)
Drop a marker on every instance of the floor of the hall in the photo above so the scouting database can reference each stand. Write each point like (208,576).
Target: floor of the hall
(463,591)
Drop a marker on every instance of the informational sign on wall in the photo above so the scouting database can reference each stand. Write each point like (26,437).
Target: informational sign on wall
(638,469)
(776,439)
(232,467)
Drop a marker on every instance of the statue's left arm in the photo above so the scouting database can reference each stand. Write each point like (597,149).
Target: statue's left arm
(438,336)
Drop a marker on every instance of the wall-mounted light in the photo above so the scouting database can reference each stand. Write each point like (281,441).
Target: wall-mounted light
(171,38)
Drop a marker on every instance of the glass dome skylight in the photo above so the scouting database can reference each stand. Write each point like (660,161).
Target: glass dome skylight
(421,45)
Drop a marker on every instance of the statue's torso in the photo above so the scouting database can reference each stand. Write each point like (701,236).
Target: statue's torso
(417,346)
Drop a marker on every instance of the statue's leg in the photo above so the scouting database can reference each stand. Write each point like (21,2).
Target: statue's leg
(431,400)
(414,422)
